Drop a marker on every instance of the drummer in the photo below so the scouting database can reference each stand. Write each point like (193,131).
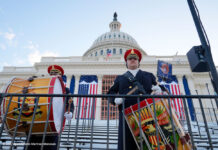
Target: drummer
(53,70)
(124,83)
(56,70)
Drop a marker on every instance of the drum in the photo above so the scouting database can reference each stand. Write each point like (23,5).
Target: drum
(164,126)
(49,85)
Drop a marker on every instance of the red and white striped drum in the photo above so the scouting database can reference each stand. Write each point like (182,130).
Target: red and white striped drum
(46,85)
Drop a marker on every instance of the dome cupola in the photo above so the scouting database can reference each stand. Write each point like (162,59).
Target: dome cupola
(116,42)
(115,25)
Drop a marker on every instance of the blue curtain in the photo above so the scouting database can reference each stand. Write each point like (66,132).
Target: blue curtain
(72,85)
(64,77)
(189,100)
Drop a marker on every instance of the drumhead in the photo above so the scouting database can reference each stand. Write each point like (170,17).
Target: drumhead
(58,104)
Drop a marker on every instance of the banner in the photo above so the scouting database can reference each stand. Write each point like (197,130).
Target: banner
(189,100)
(72,85)
(88,85)
(64,77)
(174,89)
(164,70)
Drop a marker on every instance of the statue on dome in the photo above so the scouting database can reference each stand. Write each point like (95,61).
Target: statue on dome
(115,16)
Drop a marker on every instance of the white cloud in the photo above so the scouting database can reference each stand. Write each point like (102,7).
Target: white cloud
(9,36)
(32,46)
(36,56)
(2,46)
(6,64)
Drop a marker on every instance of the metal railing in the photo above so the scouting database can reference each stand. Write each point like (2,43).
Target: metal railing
(83,134)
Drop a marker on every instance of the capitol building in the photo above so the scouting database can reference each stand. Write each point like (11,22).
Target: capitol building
(103,61)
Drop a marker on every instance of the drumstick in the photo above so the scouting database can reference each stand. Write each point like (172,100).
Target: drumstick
(133,90)
(68,109)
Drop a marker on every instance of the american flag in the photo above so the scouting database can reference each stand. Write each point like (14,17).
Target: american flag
(109,53)
(176,103)
(87,104)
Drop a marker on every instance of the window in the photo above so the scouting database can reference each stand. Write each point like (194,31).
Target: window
(119,36)
(102,52)
(114,35)
(107,81)
(114,51)
(109,36)
(124,36)
(96,53)
(121,51)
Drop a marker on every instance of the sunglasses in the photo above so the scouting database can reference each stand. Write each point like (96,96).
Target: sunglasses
(132,58)
(54,73)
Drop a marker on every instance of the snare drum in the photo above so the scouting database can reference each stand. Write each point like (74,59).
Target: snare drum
(49,85)
(149,128)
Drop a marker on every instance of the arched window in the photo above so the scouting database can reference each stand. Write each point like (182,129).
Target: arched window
(121,51)
(96,53)
(102,52)
(114,51)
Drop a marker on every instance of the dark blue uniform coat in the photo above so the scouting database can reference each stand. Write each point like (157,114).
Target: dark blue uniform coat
(122,86)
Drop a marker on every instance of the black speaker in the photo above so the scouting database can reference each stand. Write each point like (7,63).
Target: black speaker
(197,59)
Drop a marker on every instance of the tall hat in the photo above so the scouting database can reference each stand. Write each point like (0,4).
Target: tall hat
(133,53)
(56,68)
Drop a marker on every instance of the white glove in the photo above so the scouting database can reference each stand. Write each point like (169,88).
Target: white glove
(118,101)
(68,116)
(165,93)
(156,90)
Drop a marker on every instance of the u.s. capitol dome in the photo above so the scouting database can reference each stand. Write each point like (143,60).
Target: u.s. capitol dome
(115,42)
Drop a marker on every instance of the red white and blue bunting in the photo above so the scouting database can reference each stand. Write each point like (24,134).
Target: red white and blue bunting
(85,106)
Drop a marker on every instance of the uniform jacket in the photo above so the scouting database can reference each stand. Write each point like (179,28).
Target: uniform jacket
(122,86)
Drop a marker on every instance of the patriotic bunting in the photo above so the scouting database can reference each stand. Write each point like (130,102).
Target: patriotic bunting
(87,85)
(72,85)
(176,103)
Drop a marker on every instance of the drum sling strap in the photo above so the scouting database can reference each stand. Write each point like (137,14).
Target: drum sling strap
(133,80)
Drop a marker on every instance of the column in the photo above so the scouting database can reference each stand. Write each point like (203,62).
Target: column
(68,80)
(98,103)
(77,77)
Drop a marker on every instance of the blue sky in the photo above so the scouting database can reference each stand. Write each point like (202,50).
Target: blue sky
(31,29)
